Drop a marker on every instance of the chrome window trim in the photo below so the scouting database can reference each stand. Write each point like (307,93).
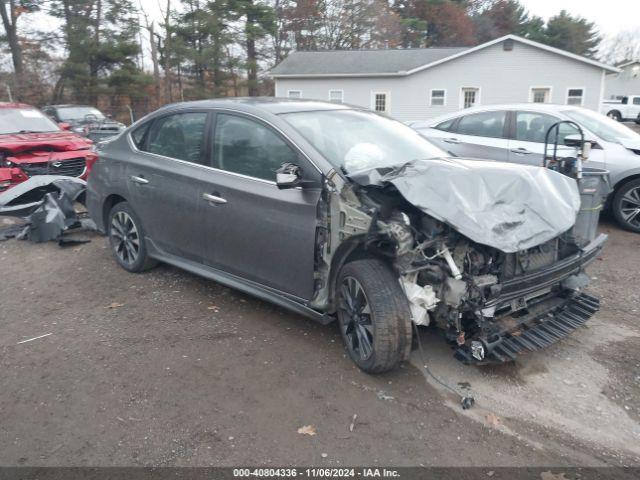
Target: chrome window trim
(207,167)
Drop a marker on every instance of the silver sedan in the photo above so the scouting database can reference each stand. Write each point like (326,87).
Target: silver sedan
(516,133)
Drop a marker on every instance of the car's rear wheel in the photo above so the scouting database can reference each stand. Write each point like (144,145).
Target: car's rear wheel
(614,114)
(374,315)
(126,237)
(626,206)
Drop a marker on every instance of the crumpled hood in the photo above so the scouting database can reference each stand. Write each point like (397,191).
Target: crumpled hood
(506,206)
(58,141)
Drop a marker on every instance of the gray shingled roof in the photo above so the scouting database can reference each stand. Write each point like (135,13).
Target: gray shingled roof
(363,62)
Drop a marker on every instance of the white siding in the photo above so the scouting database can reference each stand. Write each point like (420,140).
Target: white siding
(624,83)
(502,76)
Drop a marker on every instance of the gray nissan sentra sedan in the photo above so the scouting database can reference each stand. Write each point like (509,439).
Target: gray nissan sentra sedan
(337,212)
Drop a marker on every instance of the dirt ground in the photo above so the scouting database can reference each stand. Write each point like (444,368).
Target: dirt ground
(165,368)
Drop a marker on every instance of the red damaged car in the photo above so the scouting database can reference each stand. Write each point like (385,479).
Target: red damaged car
(32,144)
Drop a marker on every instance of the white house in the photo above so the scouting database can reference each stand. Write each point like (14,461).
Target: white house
(624,83)
(415,84)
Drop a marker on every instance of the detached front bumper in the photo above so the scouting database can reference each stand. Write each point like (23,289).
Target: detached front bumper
(556,316)
(538,333)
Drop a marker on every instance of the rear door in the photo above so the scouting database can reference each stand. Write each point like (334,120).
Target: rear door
(530,129)
(166,177)
(481,135)
(253,229)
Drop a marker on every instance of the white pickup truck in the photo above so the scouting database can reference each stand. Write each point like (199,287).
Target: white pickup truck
(625,109)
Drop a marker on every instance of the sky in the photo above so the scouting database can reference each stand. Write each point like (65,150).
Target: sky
(611,16)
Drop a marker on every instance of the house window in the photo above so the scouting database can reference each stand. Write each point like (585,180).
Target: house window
(541,95)
(437,97)
(380,102)
(470,97)
(294,94)
(575,96)
(336,96)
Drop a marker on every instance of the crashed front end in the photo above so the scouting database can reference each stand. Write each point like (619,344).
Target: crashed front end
(485,251)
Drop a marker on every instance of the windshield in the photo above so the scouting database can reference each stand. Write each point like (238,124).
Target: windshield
(78,113)
(355,140)
(604,127)
(25,120)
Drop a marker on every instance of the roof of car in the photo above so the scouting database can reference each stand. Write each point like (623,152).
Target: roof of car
(272,105)
(15,105)
(536,107)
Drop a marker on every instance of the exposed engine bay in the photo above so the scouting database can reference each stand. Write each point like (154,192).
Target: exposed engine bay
(491,301)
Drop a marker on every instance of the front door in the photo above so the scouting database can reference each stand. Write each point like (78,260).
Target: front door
(253,229)
(527,146)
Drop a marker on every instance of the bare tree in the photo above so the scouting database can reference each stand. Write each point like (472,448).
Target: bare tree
(150,27)
(10,10)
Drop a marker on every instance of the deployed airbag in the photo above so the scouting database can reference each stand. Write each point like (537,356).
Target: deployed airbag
(506,206)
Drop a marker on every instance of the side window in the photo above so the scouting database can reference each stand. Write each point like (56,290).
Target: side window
(636,100)
(483,124)
(447,125)
(179,136)
(533,127)
(247,147)
(139,134)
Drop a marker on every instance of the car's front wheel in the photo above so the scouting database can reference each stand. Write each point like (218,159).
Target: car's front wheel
(626,206)
(374,315)
(126,237)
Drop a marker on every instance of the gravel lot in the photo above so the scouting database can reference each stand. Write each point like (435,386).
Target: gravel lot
(165,368)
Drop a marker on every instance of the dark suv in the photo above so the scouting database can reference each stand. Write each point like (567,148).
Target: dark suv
(337,212)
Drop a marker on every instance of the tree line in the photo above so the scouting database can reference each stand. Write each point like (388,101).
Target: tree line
(115,53)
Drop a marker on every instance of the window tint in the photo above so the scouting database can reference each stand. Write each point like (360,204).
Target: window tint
(532,127)
(138,135)
(178,136)
(484,124)
(447,125)
(250,148)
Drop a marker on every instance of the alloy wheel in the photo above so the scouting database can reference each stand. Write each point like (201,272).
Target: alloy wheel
(124,237)
(356,323)
(630,207)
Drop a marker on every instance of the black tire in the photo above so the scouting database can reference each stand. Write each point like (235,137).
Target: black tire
(615,115)
(626,206)
(126,239)
(387,326)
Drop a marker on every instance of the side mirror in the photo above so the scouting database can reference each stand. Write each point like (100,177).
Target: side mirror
(576,141)
(64,126)
(288,176)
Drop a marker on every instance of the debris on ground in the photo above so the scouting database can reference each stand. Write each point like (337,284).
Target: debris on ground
(353,422)
(47,204)
(115,305)
(34,338)
(307,430)
(492,419)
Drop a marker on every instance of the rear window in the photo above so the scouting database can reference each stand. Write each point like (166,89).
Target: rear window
(483,124)
(447,125)
(25,120)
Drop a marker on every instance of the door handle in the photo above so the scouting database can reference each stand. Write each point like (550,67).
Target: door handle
(139,180)
(455,141)
(213,199)
(521,151)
